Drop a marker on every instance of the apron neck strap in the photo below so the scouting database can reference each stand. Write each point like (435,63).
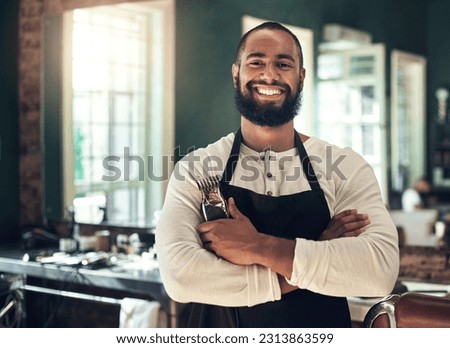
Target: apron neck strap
(308,170)
(233,159)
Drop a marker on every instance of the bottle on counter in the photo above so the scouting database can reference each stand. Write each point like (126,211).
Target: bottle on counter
(73,228)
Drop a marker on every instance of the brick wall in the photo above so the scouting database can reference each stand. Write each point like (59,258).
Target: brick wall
(30,162)
(425,263)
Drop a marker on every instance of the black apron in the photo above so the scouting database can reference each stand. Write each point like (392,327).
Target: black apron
(300,215)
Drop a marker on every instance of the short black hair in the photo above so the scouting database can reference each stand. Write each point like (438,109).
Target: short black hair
(269,26)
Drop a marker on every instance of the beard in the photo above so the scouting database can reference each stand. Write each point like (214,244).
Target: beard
(267,114)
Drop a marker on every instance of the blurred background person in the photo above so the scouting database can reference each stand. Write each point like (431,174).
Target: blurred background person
(419,196)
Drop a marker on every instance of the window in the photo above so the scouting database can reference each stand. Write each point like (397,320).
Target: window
(408,125)
(351,104)
(118,116)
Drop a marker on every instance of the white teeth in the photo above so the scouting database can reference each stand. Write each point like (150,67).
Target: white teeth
(268,91)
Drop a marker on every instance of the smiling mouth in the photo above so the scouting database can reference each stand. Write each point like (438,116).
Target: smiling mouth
(268,91)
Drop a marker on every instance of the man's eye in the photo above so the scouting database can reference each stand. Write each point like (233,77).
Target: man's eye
(256,63)
(284,65)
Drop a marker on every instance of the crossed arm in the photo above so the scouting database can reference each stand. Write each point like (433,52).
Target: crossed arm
(237,241)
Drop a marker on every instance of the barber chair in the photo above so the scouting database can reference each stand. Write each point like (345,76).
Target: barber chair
(12,313)
(409,310)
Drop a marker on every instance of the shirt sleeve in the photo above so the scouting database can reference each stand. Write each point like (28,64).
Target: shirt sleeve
(366,265)
(189,272)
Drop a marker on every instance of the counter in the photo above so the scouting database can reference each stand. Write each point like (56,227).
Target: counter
(131,276)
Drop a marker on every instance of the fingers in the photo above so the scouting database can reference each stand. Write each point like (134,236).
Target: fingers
(353,222)
(354,233)
(208,245)
(204,230)
(349,217)
(345,213)
(205,226)
(206,239)
(337,220)
(233,209)
(346,224)
(356,227)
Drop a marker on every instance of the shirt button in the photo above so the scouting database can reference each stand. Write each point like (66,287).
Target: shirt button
(262,157)
(269,193)
(269,175)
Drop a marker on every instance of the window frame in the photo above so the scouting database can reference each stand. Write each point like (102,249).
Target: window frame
(160,137)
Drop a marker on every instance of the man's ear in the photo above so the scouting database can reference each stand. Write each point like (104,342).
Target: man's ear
(302,78)
(235,74)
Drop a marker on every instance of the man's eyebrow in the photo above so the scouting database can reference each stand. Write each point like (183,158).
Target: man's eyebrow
(286,56)
(255,55)
(262,55)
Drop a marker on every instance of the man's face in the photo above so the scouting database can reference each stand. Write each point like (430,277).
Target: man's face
(269,79)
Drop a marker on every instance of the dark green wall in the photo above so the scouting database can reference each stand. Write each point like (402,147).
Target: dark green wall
(207,32)
(9,130)
(438,49)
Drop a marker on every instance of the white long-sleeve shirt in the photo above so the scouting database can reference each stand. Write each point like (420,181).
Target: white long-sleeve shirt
(366,265)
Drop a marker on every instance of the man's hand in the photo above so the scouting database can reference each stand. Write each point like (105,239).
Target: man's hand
(346,224)
(235,239)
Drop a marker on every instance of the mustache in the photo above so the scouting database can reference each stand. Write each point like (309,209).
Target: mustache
(250,84)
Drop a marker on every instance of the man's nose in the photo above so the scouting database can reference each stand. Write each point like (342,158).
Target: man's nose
(270,73)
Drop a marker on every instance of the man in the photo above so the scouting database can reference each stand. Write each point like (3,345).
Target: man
(417,197)
(279,260)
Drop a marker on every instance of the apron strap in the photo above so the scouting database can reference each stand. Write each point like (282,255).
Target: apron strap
(233,158)
(306,163)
